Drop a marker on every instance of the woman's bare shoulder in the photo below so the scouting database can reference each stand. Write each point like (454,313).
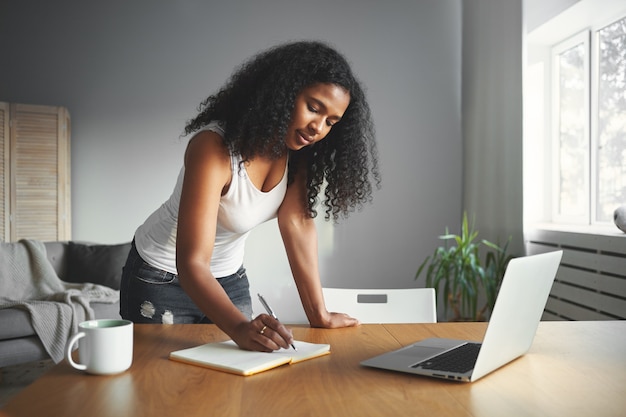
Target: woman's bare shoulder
(208,146)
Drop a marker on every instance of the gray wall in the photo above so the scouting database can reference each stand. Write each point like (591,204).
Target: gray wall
(131,74)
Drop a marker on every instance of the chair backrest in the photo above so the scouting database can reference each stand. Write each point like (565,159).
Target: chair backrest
(410,305)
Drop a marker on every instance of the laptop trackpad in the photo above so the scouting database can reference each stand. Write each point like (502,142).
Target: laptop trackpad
(403,359)
(418,354)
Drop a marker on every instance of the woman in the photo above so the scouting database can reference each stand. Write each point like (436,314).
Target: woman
(289,121)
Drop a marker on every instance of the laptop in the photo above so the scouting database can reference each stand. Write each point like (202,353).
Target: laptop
(510,332)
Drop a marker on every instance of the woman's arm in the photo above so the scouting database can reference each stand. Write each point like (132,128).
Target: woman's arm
(207,176)
(299,235)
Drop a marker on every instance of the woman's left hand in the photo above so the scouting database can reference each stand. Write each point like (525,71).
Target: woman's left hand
(332,320)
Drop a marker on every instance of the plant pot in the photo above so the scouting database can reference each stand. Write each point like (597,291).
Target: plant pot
(455,303)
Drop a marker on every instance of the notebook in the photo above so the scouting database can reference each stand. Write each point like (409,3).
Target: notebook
(510,332)
(228,357)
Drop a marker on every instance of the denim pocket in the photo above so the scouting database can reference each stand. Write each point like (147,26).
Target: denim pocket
(238,289)
(146,273)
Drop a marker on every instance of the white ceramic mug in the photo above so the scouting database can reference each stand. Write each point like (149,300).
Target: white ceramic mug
(105,347)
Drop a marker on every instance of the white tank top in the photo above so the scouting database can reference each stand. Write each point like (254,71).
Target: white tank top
(242,208)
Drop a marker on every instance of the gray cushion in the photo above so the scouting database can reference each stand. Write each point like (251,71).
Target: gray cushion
(14,323)
(98,264)
(24,349)
(56,255)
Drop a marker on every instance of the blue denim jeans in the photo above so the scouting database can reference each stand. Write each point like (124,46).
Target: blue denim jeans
(151,295)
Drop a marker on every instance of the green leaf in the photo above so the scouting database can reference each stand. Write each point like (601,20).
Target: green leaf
(455,268)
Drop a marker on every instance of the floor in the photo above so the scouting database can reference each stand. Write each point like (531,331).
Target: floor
(13,379)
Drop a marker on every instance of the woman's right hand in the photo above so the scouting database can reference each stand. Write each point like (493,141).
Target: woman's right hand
(263,334)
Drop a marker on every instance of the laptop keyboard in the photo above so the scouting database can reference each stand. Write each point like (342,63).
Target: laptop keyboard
(460,359)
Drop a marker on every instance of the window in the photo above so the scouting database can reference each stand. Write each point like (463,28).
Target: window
(588,125)
(571,134)
(610,158)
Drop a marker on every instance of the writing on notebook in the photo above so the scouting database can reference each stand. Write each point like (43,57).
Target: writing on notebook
(228,357)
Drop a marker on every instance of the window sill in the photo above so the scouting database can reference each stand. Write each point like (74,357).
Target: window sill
(596,230)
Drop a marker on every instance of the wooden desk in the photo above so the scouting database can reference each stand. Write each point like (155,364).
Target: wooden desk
(558,377)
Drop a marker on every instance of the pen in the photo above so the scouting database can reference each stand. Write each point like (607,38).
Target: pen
(270,312)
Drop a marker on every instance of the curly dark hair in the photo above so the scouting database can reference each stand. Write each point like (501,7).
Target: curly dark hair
(255,107)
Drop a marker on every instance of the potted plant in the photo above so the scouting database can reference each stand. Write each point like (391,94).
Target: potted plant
(457,269)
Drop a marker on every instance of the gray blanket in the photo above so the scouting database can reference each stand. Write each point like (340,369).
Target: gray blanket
(28,281)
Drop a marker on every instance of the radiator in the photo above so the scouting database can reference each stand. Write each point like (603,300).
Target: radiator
(591,281)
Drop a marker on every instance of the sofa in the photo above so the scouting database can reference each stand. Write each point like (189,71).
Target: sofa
(73,262)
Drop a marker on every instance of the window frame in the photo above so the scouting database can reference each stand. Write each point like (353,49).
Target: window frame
(590,37)
(554,120)
(595,114)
